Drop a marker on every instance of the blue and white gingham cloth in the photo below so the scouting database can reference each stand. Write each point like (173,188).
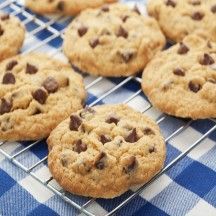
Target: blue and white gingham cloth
(189,188)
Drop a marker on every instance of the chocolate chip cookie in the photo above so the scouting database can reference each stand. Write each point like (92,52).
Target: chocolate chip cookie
(12,35)
(104,150)
(181,81)
(69,7)
(112,40)
(180,18)
(36,93)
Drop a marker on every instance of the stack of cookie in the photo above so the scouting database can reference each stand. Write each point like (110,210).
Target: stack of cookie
(104,150)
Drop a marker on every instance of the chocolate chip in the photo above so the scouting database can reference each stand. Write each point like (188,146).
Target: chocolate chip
(183,49)
(122,32)
(99,163)
(50,84)
(11,65)
(64,161)
(148,131)
(82,30)
(60,6)
(152,149)
(179,72)
(40,95)
(1,31)
(213,9)
(5,106)
(194,87)
(85,111)
(136,9)
(94,42)
(197,16)
(206,59)
(131,165)
(124,18)
(104,139)
(127,56)
(132,137)
(75,122)
(80,146)
(8,78)
(105,8)
(31,69)
(112,120)
(170,3)
(5,17)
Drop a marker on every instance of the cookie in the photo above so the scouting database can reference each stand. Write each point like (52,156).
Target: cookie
(36,93)
(102,151)
(69,7)
(12,35)
(180,18)
(112,40)
(181,81)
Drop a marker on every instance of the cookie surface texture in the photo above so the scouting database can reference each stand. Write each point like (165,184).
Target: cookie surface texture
(180,18)
(36,93)
(104,150)
(68,7)
(12,35)
(181,81)
(112,40)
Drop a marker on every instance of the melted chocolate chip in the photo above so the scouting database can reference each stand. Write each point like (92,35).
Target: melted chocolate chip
(127,56)
(206,59)
(80,146)
(179,72)
(105,8)
(183,49)
(197,16)
(131,165)
(99,163)
(40,95)
(112,120)
(213,9)
(1,31)
(148,131)
(5,17)
(171,3)
(122,32)
(136,9)
(51,85)
(60,6)
(194,87)
(124,18)
(132,137)
(31,69)
(104,139)
(82,30)
(8,78)
(94,42)
(11,65)
(75,122)
(152,149)
(5,106)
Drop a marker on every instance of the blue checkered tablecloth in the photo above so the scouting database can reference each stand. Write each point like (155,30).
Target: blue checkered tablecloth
(189,188)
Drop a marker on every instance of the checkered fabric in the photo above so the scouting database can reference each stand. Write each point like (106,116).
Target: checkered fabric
(189,188)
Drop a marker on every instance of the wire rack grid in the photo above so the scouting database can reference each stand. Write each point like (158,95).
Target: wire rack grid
(42,24)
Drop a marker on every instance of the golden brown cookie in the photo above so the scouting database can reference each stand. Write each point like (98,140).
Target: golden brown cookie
(104,150)
(112,41)
(36,93)
(181,81)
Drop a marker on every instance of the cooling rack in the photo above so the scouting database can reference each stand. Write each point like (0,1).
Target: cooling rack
(50,32)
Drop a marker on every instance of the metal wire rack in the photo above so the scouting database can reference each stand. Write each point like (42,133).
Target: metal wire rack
(16,9)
